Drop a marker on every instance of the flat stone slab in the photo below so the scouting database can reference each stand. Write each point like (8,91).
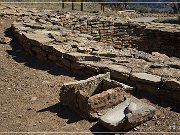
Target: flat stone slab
(34,37)
(145,78)
(131,113)
(75,56)
(119,71)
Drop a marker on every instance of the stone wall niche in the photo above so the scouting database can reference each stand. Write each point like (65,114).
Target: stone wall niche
(91,98)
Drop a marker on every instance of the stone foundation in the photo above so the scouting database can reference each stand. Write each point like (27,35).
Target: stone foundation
(79,52)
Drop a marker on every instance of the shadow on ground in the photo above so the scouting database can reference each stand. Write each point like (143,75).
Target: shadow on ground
(98,129)
(63,112)
(20,56)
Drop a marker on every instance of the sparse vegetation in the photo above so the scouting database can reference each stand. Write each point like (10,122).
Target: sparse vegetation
(140,9)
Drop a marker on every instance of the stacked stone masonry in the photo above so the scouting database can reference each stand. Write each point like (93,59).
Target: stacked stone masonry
(50,36)
(91,98)
(87,44)
(148,37)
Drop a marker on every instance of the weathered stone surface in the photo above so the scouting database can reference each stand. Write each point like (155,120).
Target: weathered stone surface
(160,56)
(166,72)
(174,64)
(119,71)
(84,50)
(93,95)
(145,78)
(47,39)
(58,37)
(119,118)
(91,85)
(37,39)
(81,57)
(107,84)
(106,54)
(145,56)
(106,99)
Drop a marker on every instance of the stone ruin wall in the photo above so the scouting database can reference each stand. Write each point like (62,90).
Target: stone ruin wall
(148,37)
(157,74)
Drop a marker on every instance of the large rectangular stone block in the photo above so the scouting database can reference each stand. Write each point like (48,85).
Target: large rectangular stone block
(146,78)
(129,114)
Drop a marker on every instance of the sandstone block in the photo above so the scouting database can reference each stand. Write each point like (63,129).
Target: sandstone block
(119,71)
(120,118)
(93,95)
(145,78)
(75,56)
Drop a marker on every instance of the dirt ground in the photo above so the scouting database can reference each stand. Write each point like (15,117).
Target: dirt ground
(29,98)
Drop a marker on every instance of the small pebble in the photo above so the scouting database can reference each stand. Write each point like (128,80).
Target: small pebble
(33,98)
(136,128)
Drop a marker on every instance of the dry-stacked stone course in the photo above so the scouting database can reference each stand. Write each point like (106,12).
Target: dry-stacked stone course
(77,42)
(93,44)
(148,37)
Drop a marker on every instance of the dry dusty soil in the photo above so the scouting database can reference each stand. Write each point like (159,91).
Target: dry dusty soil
(29,97)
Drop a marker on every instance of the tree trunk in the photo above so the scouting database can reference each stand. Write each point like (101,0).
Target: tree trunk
(81,5)
(72,5)
(62,4)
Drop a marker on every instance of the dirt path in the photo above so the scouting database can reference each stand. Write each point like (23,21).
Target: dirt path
(29,97)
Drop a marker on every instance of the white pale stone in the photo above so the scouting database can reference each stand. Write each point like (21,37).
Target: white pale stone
(132,107)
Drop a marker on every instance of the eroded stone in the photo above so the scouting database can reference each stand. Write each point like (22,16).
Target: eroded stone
(145,78)
(119,118)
